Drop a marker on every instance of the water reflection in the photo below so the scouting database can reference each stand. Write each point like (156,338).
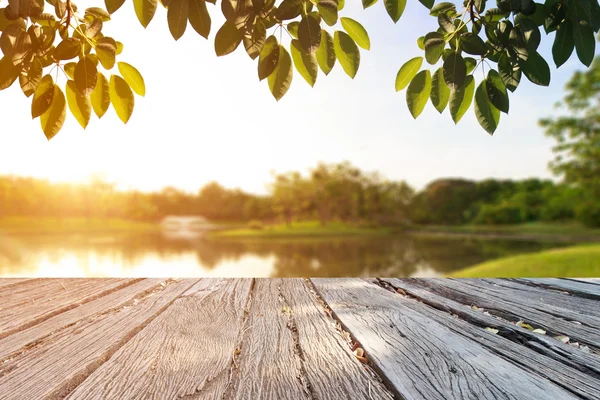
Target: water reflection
(155,255)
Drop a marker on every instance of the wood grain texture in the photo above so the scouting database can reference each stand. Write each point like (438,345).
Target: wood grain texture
(13,281)
(331,368)
(576,287)
(422,357)
(558,362)
(59,363)
(28,304)
(512,308)
(185,352)
(27,338)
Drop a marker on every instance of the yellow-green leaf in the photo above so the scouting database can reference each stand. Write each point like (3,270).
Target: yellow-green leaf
(119,47)
(326,52)
(85,75)
(407,72)
(440,93)
(199,17)
(309,33)
(356,32)
(177,16)
(121,97)
(346,51)
(30,79)
(80,105)
(461,99)
(395,8)
(306,63)
(418,92)
(268,58)
(8,73)
(227,39)
(487,115)
(53,118)
(106,50)
(96,12)
(100,97)
(329,11)
(42,97)
(70,69)
(113,5)
(280,80)
(145,9)
(67,49)
(133,78)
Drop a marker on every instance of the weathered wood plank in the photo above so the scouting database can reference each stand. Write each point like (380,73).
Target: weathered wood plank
(564,365)
(556,304)
(185,352)
(577,288)
(13,281)
(422,357)
(511,309)
(291,351)
(57,364)
(581,308)
(27,338)
(30,306)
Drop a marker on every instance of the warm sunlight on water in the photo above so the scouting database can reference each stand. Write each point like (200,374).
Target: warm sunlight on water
(156,256)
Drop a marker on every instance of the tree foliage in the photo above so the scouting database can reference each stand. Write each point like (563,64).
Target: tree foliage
(40,38)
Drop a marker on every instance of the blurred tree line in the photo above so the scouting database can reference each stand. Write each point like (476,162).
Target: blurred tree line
(329,192)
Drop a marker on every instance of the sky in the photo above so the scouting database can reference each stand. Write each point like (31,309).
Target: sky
(206,118)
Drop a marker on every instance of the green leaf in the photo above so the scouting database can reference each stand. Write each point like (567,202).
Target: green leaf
(177,16)
(341,4)
(85,75)
(563,43)
(96,12)
(434,47)
(495,15)
(42,97)
(106,50)
(443,7)
(536,69)
(455,71)
(113,5)
(510,74)
(427,3)
(496,91)
(461,99)
(268,58)
(440,93)
(8,73)
(100,96)
(199,17)
(288,9)
(487,115)
(70,69)
(144,10)
(418,92)
(329,11)
(67,49)
(292,28)
(446,23)
(121,97)
(80,105)
(585,43)
(480,6)
(395,8)
(281,78)
(306,63)
(309,33)
(421,42)
(254,42)
(326,52)
(133,78)
(471,63)
(530,34)
(30,79)
(407,72)
(346,51)
(53,118)
(356,32)
(473,44)
(368,3)
(227,39)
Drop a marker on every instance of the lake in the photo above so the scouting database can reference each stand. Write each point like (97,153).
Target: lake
(152,255)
